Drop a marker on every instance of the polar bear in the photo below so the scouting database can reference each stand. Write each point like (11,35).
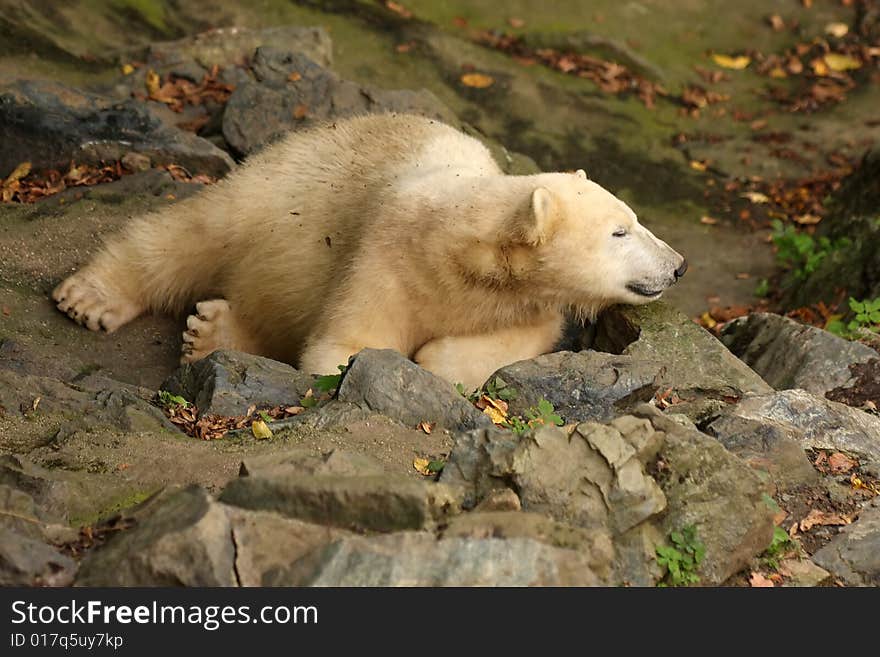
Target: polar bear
(382,231)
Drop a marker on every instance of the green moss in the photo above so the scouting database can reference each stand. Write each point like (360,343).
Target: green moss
(116,506)
(152,11)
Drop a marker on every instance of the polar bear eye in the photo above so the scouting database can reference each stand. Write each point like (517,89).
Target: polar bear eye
(620,232)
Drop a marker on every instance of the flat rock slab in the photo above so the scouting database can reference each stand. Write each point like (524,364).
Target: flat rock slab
(854,554)
(25,561)
(815,422)
(333,495)
(228,382)
(788,354)
(419,559)
(50,125)
(589,385)
(384,381)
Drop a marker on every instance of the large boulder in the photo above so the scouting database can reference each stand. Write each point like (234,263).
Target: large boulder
(182,538)
(386,382)
(50,125)
(290,92)
(589,385)
(814,422)
(700,369)
(788,354)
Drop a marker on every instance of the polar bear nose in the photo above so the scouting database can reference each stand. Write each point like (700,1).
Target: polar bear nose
(682,268)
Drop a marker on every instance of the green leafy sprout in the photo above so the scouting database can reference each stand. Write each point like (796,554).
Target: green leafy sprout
(167,400)
(866,316)
(801,252)
(681,559)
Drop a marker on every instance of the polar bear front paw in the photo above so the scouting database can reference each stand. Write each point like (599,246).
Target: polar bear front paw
(88,302)
(213,327)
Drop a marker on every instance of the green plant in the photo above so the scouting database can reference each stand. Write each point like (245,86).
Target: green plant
(328,382)
(780,545)
(497,388)
(866,316)
(265,416)
(167,400)
(800,251)
(762,289)
(543,413)
(682,558)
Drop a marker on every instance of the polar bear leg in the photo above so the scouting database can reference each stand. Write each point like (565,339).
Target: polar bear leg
(471,359)
(214,326)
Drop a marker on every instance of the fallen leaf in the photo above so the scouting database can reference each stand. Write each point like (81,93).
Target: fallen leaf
(294,76)
(477,80)
(807,219)
(127,69)
(495,415)
(36,403)
(840,463)
(707,320)
(699,165)
(820,68)
(6,311)
(18,173)
(756,197)
(709,221)
(403,47)
(838,62)
(261,430)
(743,276)
(757,580)
(838,30)
(816,517)
(152,82)
(776,22)
(426,426)
(398,9)
(421,466)
(726,61)
(516,23)
(123,466)
(300,111)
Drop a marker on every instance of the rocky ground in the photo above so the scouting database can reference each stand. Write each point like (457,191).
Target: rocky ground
(645,451)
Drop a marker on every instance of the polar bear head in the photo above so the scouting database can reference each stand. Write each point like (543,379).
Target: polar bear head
(589,248)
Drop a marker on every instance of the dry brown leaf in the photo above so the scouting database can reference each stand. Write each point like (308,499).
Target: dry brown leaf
(294,76)
(699,165)
(426,426)
(398,9)
(838,30)
(816,517)
(709,221)
(757,580)
(300,111)
(756,197)
(840,463)
(477,80)
(776,22)
(807,219)
(820,68)
(152,82)
(516,23)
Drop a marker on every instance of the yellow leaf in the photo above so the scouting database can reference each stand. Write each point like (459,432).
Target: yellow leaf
(421,466)
(18,173)
(698,165)
(495,415)
(838,30)
(837,62)
(808,219)
(707,320)
(152,82)
(778,72)
(127,69)
(820,68)
(756,197)
(261,430)
(709,221)
(736,63)
(477,80)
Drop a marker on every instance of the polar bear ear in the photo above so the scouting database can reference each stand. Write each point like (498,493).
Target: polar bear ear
(544,210)
(580,173)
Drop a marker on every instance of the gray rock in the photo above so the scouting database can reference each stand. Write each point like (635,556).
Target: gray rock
(21,515)
(182,538)
(260,111)
(50,125)
(305,462)
(233,45)
(815,422)
(228,382)
(766,446)
(854,554)
(266,545)
(708,487)
(595,544)
(789,355)
(374,502)
(500,499)
(581,386)
(417,559)
(590,478)
(802,573)
(25,561)
(385,382)
(697,366)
